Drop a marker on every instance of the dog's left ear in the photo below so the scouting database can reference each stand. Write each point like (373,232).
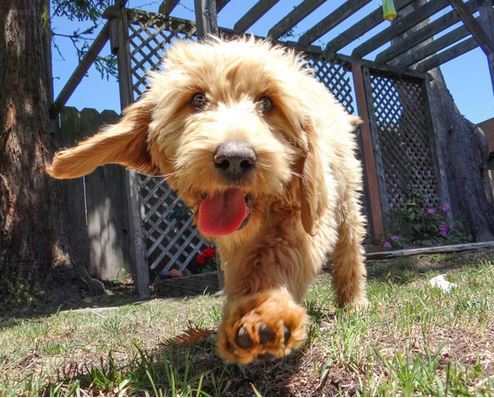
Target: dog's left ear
(313,191)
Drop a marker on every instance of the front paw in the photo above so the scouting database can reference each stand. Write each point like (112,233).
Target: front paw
(261,326)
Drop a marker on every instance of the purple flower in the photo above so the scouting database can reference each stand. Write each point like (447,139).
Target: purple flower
(387,245)
(395,237)
(431,211)
(446,207)
(444,229)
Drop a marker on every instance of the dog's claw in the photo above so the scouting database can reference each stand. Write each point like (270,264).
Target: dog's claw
(286,333)
(243,339)
(266,334)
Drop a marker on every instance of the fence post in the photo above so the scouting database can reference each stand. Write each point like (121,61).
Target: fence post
(120,45)
(207,23)
(375,207)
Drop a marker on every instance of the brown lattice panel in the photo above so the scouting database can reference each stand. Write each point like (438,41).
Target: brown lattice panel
(336,77)
(149,36)
(406,154)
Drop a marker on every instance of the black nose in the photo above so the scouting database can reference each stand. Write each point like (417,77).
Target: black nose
(234,159)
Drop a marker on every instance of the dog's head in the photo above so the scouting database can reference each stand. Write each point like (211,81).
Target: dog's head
(226,123)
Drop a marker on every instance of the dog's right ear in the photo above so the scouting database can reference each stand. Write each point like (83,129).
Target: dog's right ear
(312,185)
(124,143)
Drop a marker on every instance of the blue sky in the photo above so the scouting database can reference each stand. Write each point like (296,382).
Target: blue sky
(467,77)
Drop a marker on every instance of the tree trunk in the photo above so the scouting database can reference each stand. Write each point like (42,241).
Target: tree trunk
(462,152)
(25,213)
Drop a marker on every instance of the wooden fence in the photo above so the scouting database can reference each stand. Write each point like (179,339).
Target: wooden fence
(98,223)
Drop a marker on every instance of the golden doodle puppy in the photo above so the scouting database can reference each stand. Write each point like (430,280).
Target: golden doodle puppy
(265,157)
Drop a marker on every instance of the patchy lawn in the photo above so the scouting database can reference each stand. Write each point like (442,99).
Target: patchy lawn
(413,340)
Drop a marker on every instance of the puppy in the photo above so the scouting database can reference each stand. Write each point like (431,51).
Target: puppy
(265,157)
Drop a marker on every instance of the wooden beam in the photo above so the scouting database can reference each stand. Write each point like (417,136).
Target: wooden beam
(336,17)
(81,69)
(447,55)
(220,4)
(466,247)
(167,6)
(206,17)
(134,205)
(293,18)
(423,34)
(360,28)
(375,209)
(253,15)
(399,26)
(433,47)
(486,43)
(486,20)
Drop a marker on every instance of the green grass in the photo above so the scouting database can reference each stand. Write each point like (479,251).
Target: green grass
(413,340)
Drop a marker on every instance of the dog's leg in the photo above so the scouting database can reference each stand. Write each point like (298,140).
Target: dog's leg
(348,269)
(262,316)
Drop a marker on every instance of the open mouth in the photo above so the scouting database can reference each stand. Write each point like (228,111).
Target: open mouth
(225,212)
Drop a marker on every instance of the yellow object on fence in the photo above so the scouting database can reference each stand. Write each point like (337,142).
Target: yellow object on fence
(389,10)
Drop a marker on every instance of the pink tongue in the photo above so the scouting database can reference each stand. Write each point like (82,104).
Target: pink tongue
(222,213)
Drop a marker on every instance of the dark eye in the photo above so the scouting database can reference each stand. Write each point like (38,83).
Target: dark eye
(199,101)
(265,104)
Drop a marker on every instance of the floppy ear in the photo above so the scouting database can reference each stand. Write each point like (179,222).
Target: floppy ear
(312,185)
(123,143)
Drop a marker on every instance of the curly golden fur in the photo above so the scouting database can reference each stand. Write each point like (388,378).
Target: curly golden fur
(301,188)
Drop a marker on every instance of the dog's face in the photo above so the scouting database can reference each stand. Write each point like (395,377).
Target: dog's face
(228,124)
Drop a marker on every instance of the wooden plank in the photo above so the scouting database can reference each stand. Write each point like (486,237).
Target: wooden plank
(376,217)
(167,6)
(293,18)
(399,26)
(359,28)
(486,43)
(431,250)
(206,17)
(81,69)
(332,20)
(96,204)
(253,15)
(134,207)
(423,34)
(433,47)
(447,55)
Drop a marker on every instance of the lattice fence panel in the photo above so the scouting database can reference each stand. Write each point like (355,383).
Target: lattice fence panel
(171,239)
(405,137)
(337,77)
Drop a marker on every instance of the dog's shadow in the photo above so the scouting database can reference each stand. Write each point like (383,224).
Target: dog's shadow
(279,377)
(187,370)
